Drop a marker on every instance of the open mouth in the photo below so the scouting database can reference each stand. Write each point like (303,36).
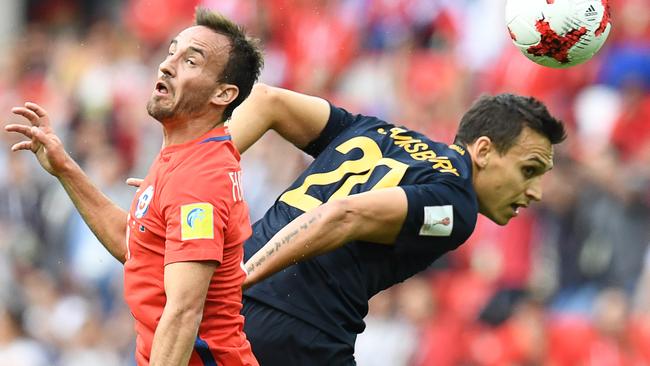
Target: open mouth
(516,206)
(161,88)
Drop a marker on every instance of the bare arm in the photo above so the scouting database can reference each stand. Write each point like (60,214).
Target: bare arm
(186,286)
(375,216)
(298,118)
(106,220)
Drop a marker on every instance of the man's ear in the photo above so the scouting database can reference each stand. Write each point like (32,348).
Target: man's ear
(481,150)
(225,94)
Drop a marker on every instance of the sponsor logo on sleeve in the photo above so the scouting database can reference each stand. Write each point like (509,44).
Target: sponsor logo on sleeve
(143,202)
(197,221)
(438,221)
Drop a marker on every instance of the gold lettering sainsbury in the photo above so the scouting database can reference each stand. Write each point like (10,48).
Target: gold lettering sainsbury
(419,150)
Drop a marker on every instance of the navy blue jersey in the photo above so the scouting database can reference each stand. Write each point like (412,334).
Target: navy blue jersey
(356,154)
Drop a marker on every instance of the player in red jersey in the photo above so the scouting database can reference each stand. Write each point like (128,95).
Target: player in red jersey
(181,241)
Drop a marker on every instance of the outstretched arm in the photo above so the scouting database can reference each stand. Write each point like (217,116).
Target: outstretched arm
(298,118)
(374,216)
(105,218)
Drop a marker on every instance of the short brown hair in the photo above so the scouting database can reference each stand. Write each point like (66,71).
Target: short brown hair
(245,61)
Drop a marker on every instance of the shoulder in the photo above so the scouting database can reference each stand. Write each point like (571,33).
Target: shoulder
(204,171)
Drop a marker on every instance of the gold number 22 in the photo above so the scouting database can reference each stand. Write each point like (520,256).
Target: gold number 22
(361,169)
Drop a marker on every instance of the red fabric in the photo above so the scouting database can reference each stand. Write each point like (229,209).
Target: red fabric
(196,172)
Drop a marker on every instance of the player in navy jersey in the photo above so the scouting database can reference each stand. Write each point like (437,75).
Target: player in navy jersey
(378,204)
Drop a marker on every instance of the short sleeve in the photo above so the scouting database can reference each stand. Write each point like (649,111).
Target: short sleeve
(338,121)
(196,214)
(441,216)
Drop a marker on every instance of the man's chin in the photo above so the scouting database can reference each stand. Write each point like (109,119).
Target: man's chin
(498,219)
(157,112)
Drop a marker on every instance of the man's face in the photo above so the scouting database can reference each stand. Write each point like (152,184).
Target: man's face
(512,180)
(188,77)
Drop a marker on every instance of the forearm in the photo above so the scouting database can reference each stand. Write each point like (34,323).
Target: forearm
(313,233)
(106,220)
(375,216)
(174,337)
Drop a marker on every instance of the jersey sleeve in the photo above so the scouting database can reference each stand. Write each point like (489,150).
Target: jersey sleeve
(441,216)
(339,120)
(196,214)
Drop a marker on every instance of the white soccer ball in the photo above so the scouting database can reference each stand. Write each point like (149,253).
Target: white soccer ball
(558,33)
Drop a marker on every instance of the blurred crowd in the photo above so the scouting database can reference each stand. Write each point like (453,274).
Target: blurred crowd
(565,283)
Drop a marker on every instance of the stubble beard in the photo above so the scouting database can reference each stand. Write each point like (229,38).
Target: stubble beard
(188,106)
(159,112)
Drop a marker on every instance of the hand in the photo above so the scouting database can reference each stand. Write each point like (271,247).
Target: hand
(47,147)
(134,182)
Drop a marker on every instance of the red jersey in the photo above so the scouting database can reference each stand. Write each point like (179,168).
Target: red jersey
(190,208)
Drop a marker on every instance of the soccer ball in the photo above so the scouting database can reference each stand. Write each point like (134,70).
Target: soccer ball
(558,33)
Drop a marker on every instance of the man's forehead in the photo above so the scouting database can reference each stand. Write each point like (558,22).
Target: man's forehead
(202,37)
(532,145)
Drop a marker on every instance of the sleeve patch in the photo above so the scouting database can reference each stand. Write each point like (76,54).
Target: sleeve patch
(438,221)
(197,221)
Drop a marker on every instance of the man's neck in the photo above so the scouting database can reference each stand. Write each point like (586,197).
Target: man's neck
(181,131)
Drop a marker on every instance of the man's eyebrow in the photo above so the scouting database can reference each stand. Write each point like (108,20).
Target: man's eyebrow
(197,50)
(543,163)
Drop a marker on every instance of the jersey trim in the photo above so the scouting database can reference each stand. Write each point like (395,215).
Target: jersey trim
(216,138)
(335,124)
(203,349)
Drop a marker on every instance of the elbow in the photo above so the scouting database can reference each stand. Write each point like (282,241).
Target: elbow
(263,94)
(344,218)
(188,314)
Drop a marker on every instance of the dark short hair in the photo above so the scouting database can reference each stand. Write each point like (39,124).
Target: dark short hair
(245,60)
(503,117)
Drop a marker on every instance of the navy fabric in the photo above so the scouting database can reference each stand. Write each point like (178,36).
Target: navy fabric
(203,349)
(283,340)
(217,138)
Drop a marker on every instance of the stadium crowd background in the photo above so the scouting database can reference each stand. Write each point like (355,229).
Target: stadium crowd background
(565,283)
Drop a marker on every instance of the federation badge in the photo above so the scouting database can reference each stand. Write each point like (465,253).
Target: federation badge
(143,202)
(438,221)
(197,221)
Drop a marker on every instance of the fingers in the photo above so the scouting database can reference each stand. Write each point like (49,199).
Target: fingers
(23,145)
(35,134)
(22,129)
(36,115)
(134,182)
(31,116)
(36,109)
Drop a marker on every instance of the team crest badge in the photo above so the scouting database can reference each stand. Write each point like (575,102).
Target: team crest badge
(143,202)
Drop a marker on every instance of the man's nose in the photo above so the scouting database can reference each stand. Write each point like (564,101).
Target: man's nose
(534,191)
(167,67)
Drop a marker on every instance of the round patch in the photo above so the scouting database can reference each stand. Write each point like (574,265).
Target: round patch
(143,202)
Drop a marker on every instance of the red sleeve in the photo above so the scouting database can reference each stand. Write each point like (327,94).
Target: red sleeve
(196,209)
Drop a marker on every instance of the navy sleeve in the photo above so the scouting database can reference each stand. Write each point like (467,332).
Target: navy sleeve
(441,216)
(338,121)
